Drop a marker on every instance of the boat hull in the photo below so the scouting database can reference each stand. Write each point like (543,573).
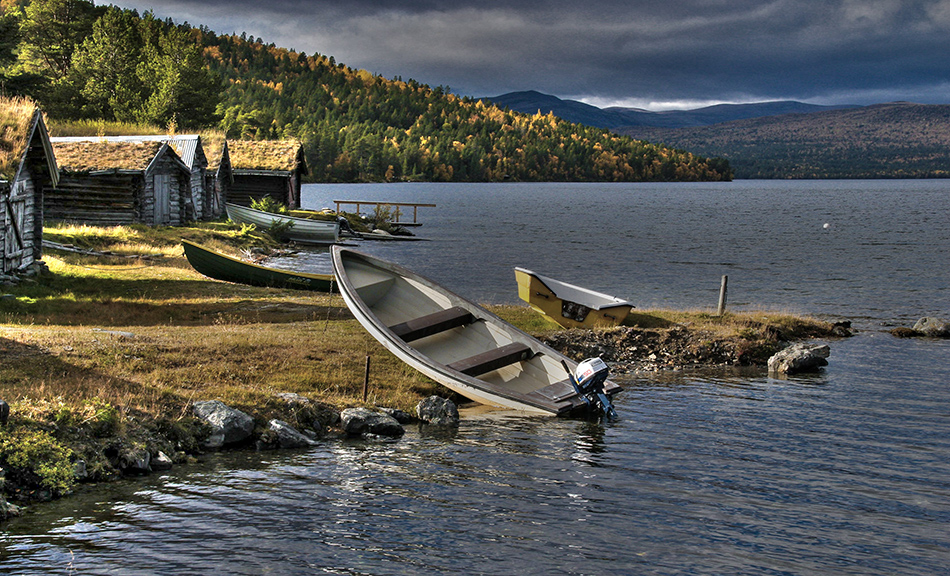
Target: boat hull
(597,311)
(222,267)
(481,357)
(303,229)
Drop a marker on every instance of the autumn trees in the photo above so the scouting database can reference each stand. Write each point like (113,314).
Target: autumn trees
(87,62)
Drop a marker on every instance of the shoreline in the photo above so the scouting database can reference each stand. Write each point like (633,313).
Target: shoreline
(105,357)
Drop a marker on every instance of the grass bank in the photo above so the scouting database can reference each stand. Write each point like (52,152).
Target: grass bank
(107,353)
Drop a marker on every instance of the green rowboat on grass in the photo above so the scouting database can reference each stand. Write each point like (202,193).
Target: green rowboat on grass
(221,267)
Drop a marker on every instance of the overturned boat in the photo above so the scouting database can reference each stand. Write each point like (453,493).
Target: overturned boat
(569,305)
(463,346)
(223,267)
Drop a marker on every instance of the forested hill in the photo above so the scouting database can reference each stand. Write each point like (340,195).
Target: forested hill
(356,126)
(896,140)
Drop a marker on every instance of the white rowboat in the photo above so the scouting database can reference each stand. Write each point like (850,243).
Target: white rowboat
(454,341)
(303,229)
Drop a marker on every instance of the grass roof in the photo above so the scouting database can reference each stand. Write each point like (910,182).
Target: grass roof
(16,120)
(214,142)
(281,155)
(100,155)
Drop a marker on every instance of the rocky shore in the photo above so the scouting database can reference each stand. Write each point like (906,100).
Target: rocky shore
(103,444)
(630,350)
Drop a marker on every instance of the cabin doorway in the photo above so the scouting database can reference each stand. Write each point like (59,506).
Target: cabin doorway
(162,199)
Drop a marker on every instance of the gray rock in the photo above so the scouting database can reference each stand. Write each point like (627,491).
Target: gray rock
(80,471)
(799,357)
(229,426)
(401,416)
(360,422)
(438,411)
(286,436)
(161,462)
(8,510)
(933,327)
(134,461)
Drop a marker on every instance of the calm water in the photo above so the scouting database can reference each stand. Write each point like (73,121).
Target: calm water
(845,472)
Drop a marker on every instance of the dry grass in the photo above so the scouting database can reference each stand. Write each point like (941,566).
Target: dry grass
(285,155)
(16,119)
(154,335)
(60,128)
(95,155)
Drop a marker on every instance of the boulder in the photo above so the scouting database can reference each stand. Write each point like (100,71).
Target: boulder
(134,460)
(401,416)
(438,411)
(932,327)
(361,422)
(161,462)
(286,436)
(799,357)
(8,510)
(229,426)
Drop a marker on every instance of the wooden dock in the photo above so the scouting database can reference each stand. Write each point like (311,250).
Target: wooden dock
(397,213)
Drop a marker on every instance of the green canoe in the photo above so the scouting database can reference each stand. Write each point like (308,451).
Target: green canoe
(221,267)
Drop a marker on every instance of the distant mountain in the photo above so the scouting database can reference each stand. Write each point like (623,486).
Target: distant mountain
(530,102)
(896,140)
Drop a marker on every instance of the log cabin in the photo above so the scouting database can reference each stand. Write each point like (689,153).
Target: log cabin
(27,170)
(219,174)
(190,150)
(262,168)
(113,183)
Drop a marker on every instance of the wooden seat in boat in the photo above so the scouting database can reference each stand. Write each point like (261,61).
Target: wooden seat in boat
(432,323)
(492,360)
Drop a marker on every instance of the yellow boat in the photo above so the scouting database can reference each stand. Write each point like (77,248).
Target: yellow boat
(568,305)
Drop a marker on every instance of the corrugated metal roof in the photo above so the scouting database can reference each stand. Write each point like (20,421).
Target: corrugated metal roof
(185,145)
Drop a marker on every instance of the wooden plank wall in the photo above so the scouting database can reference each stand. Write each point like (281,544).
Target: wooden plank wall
(246,187)
(102,200)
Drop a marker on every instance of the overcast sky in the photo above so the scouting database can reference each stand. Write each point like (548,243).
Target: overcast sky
(650,54)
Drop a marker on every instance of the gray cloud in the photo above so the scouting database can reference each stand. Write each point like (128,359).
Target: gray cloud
(635,52)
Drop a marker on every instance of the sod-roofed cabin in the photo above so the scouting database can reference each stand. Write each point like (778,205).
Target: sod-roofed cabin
(191,152)
(27,170)
(111,183)
(219,173)
(263,168)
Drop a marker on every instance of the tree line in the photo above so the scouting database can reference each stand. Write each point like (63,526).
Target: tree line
(82,61)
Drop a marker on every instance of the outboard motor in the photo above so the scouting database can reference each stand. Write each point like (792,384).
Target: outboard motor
(589,380)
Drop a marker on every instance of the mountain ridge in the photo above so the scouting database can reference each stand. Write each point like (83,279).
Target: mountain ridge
(616,117)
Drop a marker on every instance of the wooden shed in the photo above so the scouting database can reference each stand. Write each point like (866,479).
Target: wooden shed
(191,151)
(112,183)
(219,173)
(27,171)
(262,168)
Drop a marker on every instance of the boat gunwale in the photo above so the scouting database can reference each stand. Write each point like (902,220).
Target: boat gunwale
(308,230)
(546,281)
(285,274)
(391,341)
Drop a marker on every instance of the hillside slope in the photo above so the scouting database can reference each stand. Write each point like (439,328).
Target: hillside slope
(896,140)
(356,126)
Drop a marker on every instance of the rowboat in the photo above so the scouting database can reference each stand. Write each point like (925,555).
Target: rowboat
(460,344)
(302,229)
(222,267)
(569,305)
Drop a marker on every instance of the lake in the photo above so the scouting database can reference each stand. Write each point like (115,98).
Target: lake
(713,472)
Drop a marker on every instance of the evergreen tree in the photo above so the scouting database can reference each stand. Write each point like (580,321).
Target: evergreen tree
(105,68)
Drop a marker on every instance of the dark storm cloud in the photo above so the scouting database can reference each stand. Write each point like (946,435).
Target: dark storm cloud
(635,52)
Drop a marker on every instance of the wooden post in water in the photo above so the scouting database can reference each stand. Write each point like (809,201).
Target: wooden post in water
(366,380)
(722,296)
